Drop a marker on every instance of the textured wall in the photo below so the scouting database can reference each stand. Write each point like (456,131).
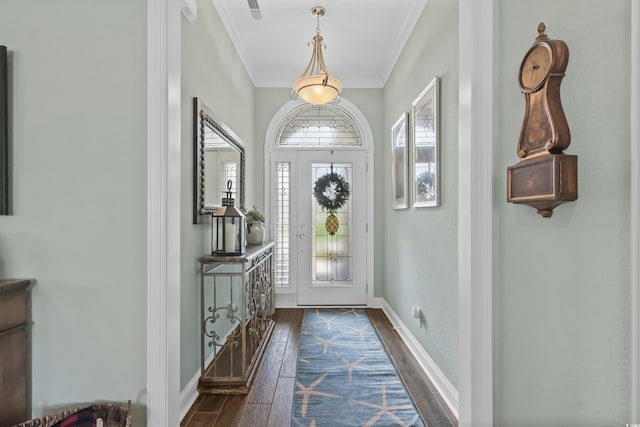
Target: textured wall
(78,180)
(213,72)
(562,284)
(420,244)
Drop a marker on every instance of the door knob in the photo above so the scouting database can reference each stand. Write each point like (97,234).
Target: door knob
(301,235)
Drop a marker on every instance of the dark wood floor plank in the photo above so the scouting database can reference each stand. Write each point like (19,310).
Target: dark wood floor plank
(201,419)
(289,364)
(211,402)
(282,405)
(192,411)
(264,386)
(232,411)
(430,408)
(386,332)
(255,415)
(282,320)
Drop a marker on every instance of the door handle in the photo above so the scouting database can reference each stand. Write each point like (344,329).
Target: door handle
(302,235)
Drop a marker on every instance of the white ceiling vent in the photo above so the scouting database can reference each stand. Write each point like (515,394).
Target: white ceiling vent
(254,9)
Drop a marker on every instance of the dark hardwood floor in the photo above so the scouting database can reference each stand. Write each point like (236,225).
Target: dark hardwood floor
(268,404)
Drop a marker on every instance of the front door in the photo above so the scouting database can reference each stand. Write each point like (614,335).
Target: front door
(330,258)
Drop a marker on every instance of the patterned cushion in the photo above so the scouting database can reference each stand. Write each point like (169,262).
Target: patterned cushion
(83,418)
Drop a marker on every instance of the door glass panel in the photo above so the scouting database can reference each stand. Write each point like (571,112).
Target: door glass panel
(282,223)
(332,257)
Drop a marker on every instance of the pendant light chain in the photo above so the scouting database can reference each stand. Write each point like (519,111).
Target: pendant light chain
(317,23)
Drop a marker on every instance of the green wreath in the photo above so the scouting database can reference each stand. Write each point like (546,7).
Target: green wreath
(331,191)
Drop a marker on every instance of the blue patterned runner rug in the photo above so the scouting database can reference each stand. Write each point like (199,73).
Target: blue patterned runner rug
(344,375)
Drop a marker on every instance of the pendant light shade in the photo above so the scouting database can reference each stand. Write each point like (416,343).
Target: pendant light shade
(316,86)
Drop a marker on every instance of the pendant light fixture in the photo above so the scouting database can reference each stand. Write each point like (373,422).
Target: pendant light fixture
(315,85)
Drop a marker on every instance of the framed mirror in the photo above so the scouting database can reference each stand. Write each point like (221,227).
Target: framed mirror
(218,158)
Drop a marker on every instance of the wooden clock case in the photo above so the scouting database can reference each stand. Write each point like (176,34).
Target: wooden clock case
(546,177)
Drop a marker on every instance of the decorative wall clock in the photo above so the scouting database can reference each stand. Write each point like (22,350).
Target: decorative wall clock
(546,177)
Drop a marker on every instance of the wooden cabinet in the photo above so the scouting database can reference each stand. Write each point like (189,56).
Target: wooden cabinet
(13,352)
(236,306)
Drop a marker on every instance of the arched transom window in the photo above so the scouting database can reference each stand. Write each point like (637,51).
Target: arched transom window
(319,126)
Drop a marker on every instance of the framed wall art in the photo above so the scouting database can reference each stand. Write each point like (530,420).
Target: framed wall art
(399,162)
(425,140)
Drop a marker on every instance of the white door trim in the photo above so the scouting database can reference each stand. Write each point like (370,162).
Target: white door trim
(475,213)
(367,133)
(635,211)
(163,212)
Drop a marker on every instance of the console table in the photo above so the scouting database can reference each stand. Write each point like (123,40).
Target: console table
(13,352)
(236,308)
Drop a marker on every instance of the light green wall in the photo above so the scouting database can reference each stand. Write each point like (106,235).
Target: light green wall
(420,244)
(371,103)
(78,181)
(268,102)
(561,305)
(213,72)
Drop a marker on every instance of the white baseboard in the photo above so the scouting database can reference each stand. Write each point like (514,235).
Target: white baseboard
(430,368)
(285,300)
(377,302)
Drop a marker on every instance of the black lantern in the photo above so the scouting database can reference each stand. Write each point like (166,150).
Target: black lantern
(228,228)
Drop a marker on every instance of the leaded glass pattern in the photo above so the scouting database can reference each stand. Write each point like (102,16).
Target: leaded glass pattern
(332,258)
(319,126)
(282,224)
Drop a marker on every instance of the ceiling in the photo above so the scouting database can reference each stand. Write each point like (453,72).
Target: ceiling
(363,38)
